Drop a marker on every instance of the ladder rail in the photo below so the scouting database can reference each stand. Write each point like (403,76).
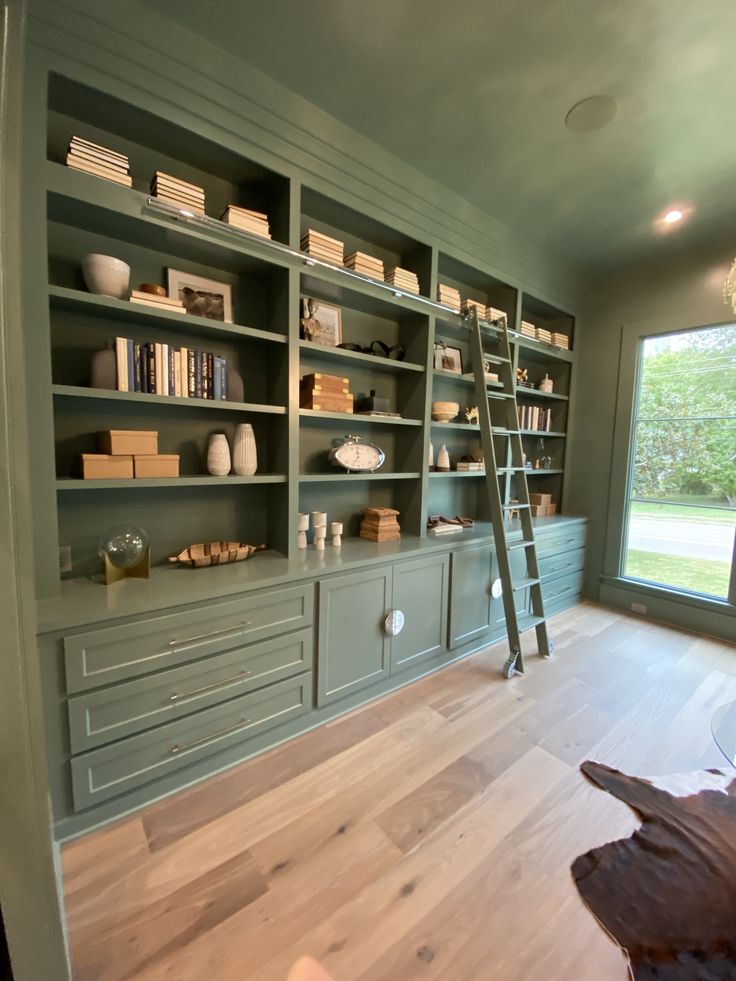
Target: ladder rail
(513,460)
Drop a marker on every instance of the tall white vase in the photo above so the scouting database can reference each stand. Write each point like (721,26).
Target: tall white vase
(218,455)
(245,459)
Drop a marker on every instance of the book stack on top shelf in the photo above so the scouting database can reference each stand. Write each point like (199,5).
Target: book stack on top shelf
(255,222)
(560,340)
(449,296)
(174,191)
(99,161)
(528,329)
(366,265)
(403,279)
(154,368)
(469,305)
(322,246)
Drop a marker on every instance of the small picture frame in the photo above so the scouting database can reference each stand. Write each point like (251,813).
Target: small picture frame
(321,322)
(201,297)
(448,358)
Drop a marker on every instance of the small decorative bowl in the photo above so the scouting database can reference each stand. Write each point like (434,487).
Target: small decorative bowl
(153,288)
(445,411)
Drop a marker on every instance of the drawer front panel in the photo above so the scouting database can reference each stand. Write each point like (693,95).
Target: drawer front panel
(568,587)
(101,716)
(562,540)
(563,564)
(102,657)
(121,767)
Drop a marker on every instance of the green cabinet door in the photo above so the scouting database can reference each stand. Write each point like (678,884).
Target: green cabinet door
(522,598)
(420,592)
(470,594)
(354,650)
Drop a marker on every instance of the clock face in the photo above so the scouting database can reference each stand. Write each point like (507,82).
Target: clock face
(358,456)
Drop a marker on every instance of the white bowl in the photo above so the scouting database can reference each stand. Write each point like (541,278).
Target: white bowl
(106,275)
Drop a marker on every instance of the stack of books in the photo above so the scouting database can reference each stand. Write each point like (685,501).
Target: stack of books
(366,265)
(161,369)
(380,525)
(174,191)
(528,329)
(534,417)
(323,247)
(99,161)
(154,300)
(470,466)
(403,279)
(255,222)
(325,393)
(544,335)
(469,305)
(448,296)
(560,340)
(496,316)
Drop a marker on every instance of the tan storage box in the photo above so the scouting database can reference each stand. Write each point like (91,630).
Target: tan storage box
(96,466)
(540,498)
(128,441)
(156,464)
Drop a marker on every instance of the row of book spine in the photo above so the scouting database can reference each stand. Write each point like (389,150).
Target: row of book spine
(160,369)
(534,417)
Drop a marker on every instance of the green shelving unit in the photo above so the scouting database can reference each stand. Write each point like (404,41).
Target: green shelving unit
(268,278)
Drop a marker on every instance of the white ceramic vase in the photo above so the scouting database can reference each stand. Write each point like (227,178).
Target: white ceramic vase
(218,455)
(106,275)
(443,459)
(245,459)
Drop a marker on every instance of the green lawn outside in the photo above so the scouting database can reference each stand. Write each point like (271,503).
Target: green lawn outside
(699,575)
(719,514)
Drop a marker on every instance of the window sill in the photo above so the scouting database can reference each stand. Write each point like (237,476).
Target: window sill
(673,595)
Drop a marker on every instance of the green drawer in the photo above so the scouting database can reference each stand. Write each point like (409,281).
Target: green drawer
(562,564)
(121,767)
(564,590)
(102,657)
(101,716)
(560,540)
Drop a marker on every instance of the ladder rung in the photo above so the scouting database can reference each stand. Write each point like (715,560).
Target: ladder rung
(515,507)
(500,431)
(524,584)
(501,395)
(496,358)
(528,621)
(510,469)
(525,543)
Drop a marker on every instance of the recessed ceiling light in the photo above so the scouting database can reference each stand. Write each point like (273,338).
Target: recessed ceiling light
(672,216)
(591,113)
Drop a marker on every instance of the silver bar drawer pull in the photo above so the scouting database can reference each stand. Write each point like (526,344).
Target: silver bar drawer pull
(212,633)
(243,724)
(177,696)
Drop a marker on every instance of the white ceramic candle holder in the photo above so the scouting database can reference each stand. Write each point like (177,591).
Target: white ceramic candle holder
(336,529)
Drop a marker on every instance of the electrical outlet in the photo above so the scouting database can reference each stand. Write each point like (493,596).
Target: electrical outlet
(638,608)
(65,559)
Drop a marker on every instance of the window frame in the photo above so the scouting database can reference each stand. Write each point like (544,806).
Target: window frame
(622,464)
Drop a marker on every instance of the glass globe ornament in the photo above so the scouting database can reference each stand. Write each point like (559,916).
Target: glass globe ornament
(124,545)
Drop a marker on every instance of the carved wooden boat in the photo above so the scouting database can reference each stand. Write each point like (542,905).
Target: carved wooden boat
(214,553)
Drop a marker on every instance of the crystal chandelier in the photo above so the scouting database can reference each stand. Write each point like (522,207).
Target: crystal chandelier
(729,287)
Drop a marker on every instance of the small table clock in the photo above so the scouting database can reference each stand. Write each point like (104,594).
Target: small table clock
(355,455)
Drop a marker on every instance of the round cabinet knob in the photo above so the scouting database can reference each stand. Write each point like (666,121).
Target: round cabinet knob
(496,589)
(394,623)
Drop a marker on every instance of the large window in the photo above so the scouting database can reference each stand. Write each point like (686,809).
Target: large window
(682,491)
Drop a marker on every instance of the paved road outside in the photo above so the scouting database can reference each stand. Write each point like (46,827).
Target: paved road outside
(678,536)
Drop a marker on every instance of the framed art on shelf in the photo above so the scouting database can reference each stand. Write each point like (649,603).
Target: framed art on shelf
(321,322)
(448,358)
(201,297)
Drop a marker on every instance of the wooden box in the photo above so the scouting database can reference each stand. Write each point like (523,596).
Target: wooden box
(540,498)
(128,442)
(325,383)
(98,466)
(156,464)
(326,403)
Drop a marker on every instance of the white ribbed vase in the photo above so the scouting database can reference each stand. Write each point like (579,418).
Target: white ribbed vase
(245,459)
(218,455)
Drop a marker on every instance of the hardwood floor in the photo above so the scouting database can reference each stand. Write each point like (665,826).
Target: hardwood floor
(426,836)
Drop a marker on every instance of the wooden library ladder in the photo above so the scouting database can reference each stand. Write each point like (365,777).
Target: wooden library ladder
(497,334)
